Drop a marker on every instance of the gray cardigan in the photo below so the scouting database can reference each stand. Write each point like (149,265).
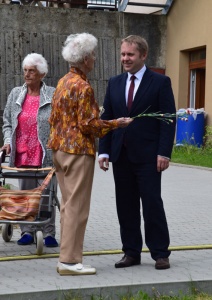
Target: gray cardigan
(10,120)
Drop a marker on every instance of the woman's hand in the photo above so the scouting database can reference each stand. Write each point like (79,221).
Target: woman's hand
(7,148)
(124,122)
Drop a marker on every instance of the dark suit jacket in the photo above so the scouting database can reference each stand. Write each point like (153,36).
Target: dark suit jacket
(145,137)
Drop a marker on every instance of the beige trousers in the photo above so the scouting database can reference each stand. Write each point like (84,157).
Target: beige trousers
(75,177)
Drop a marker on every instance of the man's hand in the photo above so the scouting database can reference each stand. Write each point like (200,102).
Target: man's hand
(162,163)
(7,148)
(104,163)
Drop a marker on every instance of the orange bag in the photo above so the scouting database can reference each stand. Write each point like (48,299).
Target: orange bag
(22,204)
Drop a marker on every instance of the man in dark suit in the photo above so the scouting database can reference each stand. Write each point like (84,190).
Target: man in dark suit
(139,153)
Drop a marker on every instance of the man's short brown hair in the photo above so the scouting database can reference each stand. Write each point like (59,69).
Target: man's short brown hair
(139,41)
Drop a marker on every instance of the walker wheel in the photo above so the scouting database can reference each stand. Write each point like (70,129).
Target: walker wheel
(39,242)
(7,232)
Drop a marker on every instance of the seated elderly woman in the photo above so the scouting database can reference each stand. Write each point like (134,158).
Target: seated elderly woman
(74,124)
(26,130)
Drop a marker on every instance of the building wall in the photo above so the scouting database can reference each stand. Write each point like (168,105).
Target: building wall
(189,25)
(26,29)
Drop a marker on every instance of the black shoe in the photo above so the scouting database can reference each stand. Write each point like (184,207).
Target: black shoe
(162,264)
(127,261)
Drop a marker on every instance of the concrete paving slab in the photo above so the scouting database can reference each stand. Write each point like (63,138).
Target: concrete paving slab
(187,199)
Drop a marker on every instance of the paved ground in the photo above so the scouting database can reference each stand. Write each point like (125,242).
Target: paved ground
(188,204)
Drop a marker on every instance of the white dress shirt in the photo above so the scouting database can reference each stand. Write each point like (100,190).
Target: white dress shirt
(137,81)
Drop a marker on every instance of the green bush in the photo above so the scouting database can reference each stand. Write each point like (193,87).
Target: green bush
(208,138)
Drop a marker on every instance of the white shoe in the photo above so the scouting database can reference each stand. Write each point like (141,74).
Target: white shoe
(59,265)
(77,269)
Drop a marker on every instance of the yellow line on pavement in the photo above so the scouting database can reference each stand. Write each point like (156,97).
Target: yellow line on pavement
(102,252)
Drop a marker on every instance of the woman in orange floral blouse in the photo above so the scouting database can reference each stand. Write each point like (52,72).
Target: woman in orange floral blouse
(74,124)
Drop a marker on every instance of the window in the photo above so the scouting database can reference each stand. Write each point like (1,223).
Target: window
(197,65)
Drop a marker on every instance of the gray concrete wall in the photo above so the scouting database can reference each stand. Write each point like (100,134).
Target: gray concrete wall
(26,29)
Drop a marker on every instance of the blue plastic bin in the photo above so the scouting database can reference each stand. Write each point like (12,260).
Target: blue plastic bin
(191,131)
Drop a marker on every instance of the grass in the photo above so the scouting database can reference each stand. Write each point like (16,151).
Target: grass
(194,295)
(192,155)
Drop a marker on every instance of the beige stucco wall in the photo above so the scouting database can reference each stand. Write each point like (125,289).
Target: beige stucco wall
(189,25)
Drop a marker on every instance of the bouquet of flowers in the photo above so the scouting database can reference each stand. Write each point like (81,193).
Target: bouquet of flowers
(168,118)
(182,114)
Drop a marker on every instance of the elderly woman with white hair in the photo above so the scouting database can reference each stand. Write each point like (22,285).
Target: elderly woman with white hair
(74,124)
(26,131)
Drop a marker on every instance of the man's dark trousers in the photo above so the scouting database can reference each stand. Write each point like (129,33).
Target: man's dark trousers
(140,183)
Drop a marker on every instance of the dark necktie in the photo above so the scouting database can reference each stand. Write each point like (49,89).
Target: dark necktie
(130,93)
